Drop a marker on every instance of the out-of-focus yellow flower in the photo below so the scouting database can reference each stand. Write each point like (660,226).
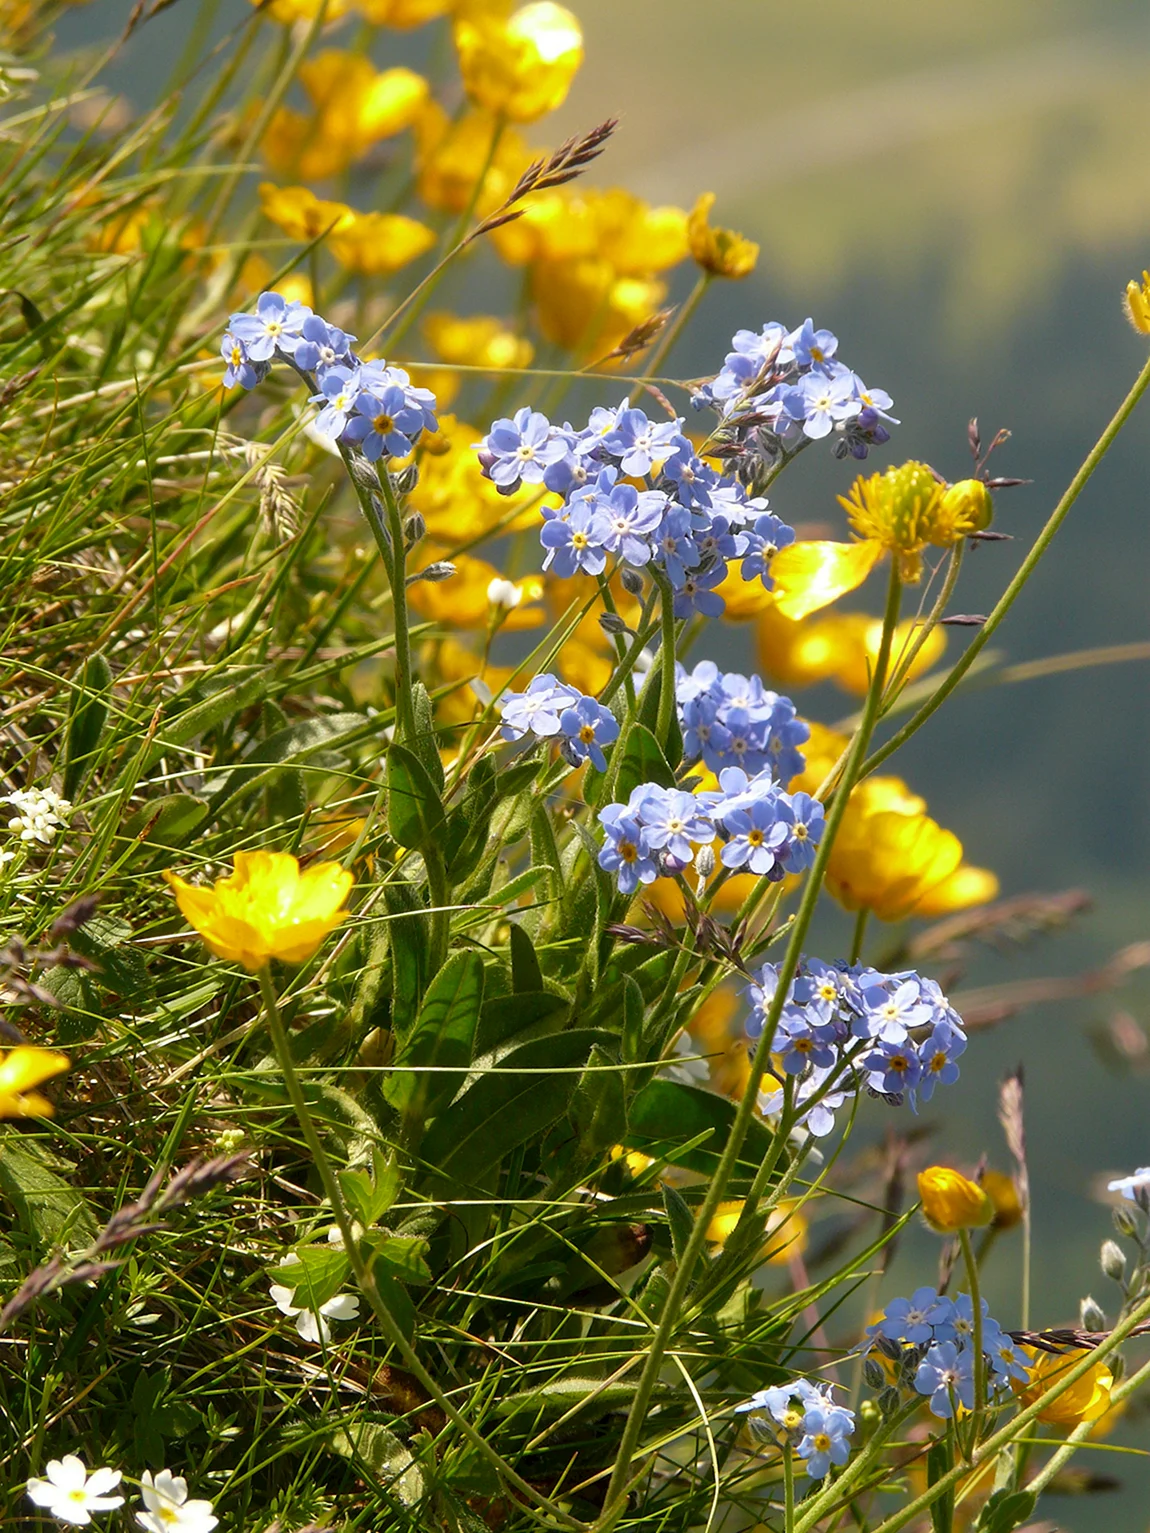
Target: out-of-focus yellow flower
(966,887)
(586,307)
(455,500)
(401,14)
(820,753)
(255,276)
(353,107)
(635,1161)
(121,232)
(15,20)
(291,11)
(453,661)
(843,647)
(636,239)
(1002,1190)
(450,157)
(1137,304)
(1086,1400)
(886,859)
(479,340)
(898,512)
(377,244)
(523,66)
(462,601)
(267,908)
(21,1070)
(951,1202)
(300,213)
(786,1231)
(721,252)
(588,657)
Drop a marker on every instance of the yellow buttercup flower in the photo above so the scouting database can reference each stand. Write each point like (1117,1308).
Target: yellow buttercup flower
(291,11)
(1002,1190)
(462,601)
(634,238)
(721,252)
(1086,1400)
(479,340)
(899,512)
(951,1202)
(785,1236)
(1137,304)
(353,107)
(377,244)
(21,1070)
(267,908)
(843,647)
(585,306)
(300,213)
(886,857)
(401,14)
(965,888)
(523,66)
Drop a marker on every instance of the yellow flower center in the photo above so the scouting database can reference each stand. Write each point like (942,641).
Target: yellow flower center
(755,837)
(383,424)
(587,733)
(822,1442)
(579,540)
(628,851)
(800,832)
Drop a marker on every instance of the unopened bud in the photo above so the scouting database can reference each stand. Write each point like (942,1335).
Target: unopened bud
(888,1348)
(1125,1221)
(632,582)
(1091,1314)
(873,1373)
(705,861)
(568,752)
(442,569)
(364,472)
(888,1402)
(504,593)
(611,622)
(1117,1365)
(1137,304)
(1112,1260)
(406,480)
(413,529)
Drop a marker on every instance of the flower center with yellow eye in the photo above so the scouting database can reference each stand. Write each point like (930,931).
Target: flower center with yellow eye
(755,837)
(738,746)
(826,991)
(579,540)
(792,1419)
(587,733)
(273,327)
(628,851)
(817,354)
(675,826)
(79,1494)
(383,424)
(237,356)
(769,550)
(802,1045)
(800,832)
(524,453)
(938,1063)
(900,1064)
(822,1442)
(890,1011)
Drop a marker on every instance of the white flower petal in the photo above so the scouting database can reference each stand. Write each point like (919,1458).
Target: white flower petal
(312,1327)
(101,1481)
(345,1306)
(42,1492)
(282,1299)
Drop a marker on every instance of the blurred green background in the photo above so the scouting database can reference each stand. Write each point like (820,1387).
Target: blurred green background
(961,194)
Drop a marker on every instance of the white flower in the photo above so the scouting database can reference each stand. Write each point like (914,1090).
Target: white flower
(504,593)
(71,1494)
(39,813)
(1129,1185)
(168,1510)
(312,1324)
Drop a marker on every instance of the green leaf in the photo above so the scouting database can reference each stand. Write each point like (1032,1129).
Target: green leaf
(403,1258)
(632,1029)
(47,1208)
(396,1297)
(122,969)
(665,1115)
(508,1105)
(317,1276)
(526,975)
(168,822)
(598,1108)
(1005,1510)
(680,1218)
(506,1015)
(643,761)
(425,742)
(441,1044)
(508,894)
(266,759)
(410,955)
(648,715)
(381,1456)
(938,1462)
(204,704)
(414,810)
(370,1195)
(87,715)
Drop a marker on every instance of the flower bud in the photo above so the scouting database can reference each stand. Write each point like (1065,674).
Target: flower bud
(364,472)
(721,252)
(1125,1221)
(1112,1260)
(873,1374)
(705,861)
(888,1401)
(1137,304)
(413,529)
(611,622)
(442,569)
(632,581)
(1091,1314)
(406,480)
(951,1202)
(504,594)
(966,507)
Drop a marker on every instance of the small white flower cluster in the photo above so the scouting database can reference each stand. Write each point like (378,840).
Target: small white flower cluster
(71,1495)
(39,813)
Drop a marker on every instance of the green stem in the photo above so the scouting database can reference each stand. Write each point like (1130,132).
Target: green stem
(979,1356)
(666,658)
(614,1504)
(788,1489)
(1027,568)
(926,627)
(859,934)
(673,331)
(362,1270)
(1083,1430)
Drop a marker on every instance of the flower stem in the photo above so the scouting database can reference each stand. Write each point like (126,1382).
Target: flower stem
(979,1356)
(859,934)
(1026,569)
(666,659)
(615,1501)
(788,1488)
(363,1273)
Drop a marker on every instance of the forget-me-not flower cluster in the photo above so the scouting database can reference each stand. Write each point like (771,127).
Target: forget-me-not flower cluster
(369,405)
(551,709)
(931,1340)
(683,518)
(803,1412)
(779,389)
(844,1027)
(764,829)
(731,720)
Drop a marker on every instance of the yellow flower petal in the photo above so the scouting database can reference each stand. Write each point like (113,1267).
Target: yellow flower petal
(809,576)
(721,252)
(377,244)
(965,888)
(521,66)
(951,1201)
